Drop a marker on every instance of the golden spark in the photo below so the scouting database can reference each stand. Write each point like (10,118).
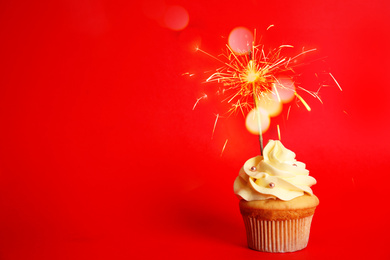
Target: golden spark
(223,148)
(335,81)
(303,101)
(215,125)
(197,101)
(279,132)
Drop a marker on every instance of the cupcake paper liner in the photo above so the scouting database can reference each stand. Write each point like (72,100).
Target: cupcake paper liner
(277,236)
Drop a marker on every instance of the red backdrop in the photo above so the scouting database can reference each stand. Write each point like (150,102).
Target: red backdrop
(102,156)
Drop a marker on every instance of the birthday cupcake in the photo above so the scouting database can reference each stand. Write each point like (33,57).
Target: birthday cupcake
(276,201)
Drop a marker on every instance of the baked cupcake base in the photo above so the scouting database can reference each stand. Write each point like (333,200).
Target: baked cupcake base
(278,226)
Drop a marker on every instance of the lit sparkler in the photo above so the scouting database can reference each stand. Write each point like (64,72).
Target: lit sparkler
(249,78)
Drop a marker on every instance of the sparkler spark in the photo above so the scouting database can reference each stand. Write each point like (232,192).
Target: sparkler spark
(197,101)
(288,112)
(279,133)
(303,101)
(335,81)
(215,125)
(270,26)
(224,146)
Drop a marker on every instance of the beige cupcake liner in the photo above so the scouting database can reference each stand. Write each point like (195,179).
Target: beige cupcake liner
(277,236)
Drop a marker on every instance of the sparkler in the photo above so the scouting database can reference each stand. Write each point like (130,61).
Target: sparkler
(248,78)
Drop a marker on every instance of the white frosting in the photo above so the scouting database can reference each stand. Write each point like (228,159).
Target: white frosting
(290,178)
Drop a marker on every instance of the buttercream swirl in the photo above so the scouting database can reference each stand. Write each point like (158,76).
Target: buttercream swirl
(277,175)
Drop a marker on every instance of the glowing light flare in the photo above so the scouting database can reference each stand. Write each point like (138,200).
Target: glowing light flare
(285,89)
(270,103)
(252,124)
(240,40)
(251,74)
(176,18)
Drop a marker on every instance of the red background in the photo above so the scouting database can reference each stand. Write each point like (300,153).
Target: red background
(102,156)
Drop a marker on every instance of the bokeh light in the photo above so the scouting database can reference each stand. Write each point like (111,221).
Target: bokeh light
(176,18)
(252,124)
(270,103)
(240,40)
(286,89)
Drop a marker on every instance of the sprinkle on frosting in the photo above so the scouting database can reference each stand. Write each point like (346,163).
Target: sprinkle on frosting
(277,175)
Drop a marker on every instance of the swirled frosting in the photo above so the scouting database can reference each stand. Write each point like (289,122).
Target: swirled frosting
(275,175)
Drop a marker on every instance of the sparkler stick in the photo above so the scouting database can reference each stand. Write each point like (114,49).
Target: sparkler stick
(257,112)
(254,77)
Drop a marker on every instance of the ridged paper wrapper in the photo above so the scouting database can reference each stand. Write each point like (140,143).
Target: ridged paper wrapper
(277,236)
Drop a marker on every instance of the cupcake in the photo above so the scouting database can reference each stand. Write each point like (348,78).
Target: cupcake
(276,201)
